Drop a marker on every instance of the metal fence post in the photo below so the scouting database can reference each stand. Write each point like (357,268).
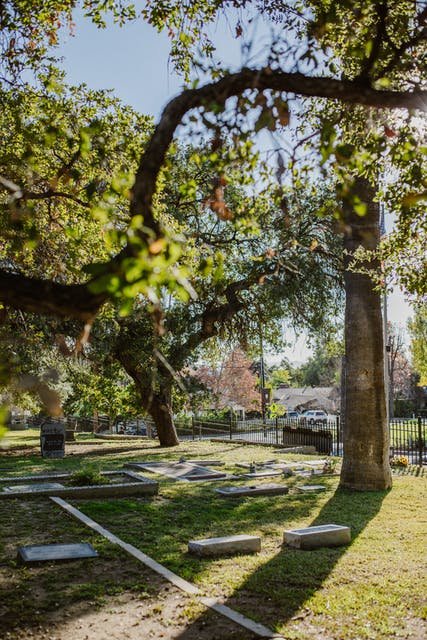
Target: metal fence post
(231,426)
(192,428)
(338,428)
(276,423)
(420,442)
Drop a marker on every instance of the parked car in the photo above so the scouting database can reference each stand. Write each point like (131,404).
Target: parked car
(130,427)
(314,417)
(292,414)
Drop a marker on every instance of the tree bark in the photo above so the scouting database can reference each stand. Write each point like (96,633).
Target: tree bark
(159,407)
(157,403)
(366,433)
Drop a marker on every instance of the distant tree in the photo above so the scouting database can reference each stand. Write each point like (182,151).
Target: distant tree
(418,331)
(401,374)
(279,375)
(232,382)
(323,368)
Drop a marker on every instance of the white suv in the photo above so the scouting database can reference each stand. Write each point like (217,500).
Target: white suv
(313,417)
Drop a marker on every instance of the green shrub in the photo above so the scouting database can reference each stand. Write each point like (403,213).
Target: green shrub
(87,475)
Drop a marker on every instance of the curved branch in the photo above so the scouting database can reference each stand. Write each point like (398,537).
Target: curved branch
(235,84)
(50,298)
(52,193)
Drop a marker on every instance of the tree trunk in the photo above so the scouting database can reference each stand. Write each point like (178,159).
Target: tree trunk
(158,406)
(366,433)
(157,402)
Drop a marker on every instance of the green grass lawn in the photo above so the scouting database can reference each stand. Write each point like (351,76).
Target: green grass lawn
(373,588)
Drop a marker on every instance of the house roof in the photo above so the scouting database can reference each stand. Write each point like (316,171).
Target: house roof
(307,397)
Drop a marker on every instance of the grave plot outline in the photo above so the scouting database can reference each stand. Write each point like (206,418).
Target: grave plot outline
(182,471)
(138,485)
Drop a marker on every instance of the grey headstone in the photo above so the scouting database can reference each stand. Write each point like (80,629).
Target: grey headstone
(328,535)
(52,439)
(33,554)
(228,544)
(259,490)
(311,488)
(33,488)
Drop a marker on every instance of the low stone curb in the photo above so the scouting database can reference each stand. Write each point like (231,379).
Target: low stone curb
(147,488)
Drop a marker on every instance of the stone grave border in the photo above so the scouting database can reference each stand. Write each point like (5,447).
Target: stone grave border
(207,476)
(140,485)
(184,585)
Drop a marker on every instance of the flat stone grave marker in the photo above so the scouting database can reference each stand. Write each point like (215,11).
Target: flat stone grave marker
(35,553)
(207,463)
(327,535)
(226,545)
(247,465)
(262,474)
(179,470)
(308,473)
(254,490)
(36,486)
(304,448)
(311,488)
(315,463)
(288,465)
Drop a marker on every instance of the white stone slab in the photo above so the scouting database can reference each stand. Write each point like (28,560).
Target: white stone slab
(327,535)
(288,465)
(248,465)
(311,488)
(304,448)
(226,545)
(35,553)
(315,463)
(254,490)
(207,463)
(34,488)
(262,474)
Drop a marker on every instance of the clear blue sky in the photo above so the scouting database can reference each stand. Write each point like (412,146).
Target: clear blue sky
(133,62)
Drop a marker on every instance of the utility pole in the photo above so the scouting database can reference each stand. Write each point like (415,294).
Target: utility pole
(385,329)
(262,376)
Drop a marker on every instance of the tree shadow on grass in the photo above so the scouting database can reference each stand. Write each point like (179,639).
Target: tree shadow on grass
(277,591)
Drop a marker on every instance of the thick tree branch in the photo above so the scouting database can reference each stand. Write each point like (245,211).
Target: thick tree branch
(380,36)
(51,193)
(214,315)
(49,298)
(399,52)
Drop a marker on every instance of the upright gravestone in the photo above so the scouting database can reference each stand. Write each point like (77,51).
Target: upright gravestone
(52,439)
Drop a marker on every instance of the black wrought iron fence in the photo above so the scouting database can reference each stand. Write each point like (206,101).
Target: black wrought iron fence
(408,437)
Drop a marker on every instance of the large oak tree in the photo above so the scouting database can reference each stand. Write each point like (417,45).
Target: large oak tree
(366,54)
